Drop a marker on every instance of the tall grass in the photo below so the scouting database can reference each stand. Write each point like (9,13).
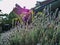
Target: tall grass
(46,31)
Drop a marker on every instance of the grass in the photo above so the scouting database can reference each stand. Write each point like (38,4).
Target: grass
(46,31)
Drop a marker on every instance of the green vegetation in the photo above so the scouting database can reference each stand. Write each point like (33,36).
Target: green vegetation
(43,37)
(6,21)
(45,31)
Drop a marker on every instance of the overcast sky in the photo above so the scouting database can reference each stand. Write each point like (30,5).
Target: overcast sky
(7,5)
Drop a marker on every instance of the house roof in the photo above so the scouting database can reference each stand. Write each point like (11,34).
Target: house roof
(46,2)
(18,10)
(43,4)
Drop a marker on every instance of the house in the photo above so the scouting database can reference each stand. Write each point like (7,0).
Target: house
(54,5)
(19,10)
(23,14)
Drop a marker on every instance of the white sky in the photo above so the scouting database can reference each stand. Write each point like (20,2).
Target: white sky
(7,5)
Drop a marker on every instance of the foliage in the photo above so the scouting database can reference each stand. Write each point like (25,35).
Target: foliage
(46,30)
